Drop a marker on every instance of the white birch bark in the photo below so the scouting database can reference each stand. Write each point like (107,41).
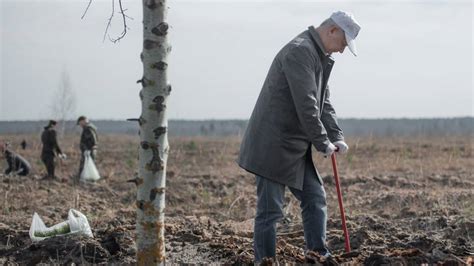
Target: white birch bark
(154,148)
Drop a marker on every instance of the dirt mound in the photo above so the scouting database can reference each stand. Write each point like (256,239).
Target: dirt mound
(106,247)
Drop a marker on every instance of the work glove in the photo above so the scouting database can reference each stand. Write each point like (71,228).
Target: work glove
(330,150)
(342,146)
(19,171)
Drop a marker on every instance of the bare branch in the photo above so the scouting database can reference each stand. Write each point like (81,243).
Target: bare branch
(124,19)
(87,8)
(109,22)
(110,19)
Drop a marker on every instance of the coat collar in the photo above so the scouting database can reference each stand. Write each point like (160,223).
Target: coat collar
(327,61)
(319,43)
(315,36)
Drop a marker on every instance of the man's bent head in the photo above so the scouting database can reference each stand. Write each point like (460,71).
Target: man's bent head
(339,31)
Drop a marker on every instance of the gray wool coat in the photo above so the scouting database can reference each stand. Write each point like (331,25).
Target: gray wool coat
(292,113)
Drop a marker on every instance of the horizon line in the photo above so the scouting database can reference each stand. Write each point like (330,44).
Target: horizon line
(243,119)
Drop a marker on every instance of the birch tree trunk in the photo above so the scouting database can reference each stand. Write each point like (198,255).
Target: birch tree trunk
(154,148)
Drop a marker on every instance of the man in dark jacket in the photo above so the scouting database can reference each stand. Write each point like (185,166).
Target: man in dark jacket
(292,114)
(89,140)
(50,148)
(16,163)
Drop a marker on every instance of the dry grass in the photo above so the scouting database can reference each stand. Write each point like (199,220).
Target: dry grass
(393,180)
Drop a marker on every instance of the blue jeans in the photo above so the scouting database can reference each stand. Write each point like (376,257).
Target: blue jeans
(270,210)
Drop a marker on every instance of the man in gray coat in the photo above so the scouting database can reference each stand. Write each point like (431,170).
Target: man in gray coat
(292,113)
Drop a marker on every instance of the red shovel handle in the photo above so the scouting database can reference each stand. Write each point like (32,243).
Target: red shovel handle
(341,206)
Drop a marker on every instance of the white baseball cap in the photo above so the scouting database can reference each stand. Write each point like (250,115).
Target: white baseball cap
(349,25)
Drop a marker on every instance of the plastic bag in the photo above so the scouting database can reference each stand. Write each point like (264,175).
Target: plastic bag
(76,224)
(89,172)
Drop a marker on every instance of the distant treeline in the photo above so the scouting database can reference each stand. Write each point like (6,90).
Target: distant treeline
(462,126)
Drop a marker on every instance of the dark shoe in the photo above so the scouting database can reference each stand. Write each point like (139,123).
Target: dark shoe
(269,261)
(319,257)
(47,177)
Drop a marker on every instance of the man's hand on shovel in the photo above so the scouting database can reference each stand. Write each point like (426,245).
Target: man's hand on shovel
(342,147)
(338,146)
(330,150)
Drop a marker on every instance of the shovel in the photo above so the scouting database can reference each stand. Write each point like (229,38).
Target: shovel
(341,206)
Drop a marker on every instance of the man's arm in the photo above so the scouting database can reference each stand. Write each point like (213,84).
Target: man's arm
(18,165)
(22,164)
(93,138)
(10,164)
(299,66)
(329,119)
(55,142)
(90,139)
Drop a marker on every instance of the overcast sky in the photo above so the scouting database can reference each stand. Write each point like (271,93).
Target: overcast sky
(415,58)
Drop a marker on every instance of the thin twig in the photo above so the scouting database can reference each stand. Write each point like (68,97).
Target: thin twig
(109,22)
(124,19)
(110,19)
(87,8)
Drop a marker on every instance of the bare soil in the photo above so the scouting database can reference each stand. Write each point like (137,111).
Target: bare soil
(408,201)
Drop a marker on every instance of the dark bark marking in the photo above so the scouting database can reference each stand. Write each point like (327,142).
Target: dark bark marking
(138,181)
(158,104)
(156,163)
(141,204)
(146,82)
(159,131)
(149,44)
(141,121)
(159,65)
(161,29)
(168,89)
(155,191)
(151,4)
